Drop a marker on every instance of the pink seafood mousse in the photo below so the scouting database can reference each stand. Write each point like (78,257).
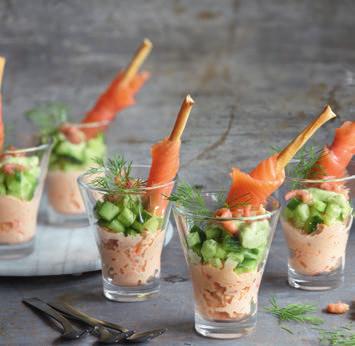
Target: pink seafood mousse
(63,192)
(222,294)
(133,260)
(18,219)
(322,251)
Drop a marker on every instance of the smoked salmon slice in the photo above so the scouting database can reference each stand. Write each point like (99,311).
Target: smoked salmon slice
(120,94)
(334,159)
(166,160)
(254,188)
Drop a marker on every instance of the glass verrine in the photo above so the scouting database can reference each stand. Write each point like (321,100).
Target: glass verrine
(316,221)
(130,230)
(226,270)
(71,156)
(22,174)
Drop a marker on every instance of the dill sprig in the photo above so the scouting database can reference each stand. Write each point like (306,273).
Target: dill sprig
(48,116)
(342,336)
(115,175)
(190,199)
(294,312)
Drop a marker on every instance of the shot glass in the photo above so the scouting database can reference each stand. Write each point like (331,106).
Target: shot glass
(65,206)
(22,174)
(130,230)
(226,270)
(316,221)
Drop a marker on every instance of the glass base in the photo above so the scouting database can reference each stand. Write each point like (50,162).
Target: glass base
(321,282)
(224,329)
(16,251)
(130,294)
(54,218)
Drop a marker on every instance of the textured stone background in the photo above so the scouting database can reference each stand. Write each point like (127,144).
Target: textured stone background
(258,70)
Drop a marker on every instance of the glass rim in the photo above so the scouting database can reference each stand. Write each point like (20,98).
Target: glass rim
(28,149)
(87,125)
(139,190)
(267,214)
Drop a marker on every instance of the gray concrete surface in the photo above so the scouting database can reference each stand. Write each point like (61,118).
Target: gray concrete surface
(258,70)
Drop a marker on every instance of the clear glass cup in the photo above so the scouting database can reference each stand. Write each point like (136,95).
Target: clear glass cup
(19,203)
(316,219)
(64,204)
(226,273)
(130,260)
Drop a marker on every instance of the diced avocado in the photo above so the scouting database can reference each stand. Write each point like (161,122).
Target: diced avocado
(209,249)
(192,239)
(236,257)
(293,203)
(108,211)
(212,232)
(153,224)
(246,266)
(19,186)
(220,252)
(68,149)
(126,217)
(137,226)
(332,213)
(311,224)
(116,226)
(319,205)
(216,262)
(254,234)
(301,214)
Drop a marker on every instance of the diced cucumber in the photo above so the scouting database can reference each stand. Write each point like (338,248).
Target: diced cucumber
(192,239)
(130,232)
(251,253)
(287,214)
(236,257)
(254,234)
(116,226)
(137,226)
(212,232)
(126,217)
(301,215)
(220,252)
(68,149)
(2,189)
(209,249)
(19,186)
(332,213)
(247,265)
(197,249)
(108,211)
(311,224)
(293,203)
(231,244)
(216,262)
(153,224)
(319,205)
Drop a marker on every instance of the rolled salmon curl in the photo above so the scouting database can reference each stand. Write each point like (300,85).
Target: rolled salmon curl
(229,226)
(256,187)
(112,101)
(335,158)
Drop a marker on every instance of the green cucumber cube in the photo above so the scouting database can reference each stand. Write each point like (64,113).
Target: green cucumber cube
(126,217)
(19,186)
(332,213)
(193,238)
(116,226)
(153,224)
(212,232)
(247,265)
(209,249)
(231,244)
(2,189)
(311,224)
(216,262)
(251,253)
(130,232)
(287,214)
(236,257)
(293,203)
(137,226)
(220,252)
(108,211)
(319,205)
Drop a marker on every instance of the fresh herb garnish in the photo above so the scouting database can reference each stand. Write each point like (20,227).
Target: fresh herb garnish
(294,312)
(343,336)
(47,117)
(115,175)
